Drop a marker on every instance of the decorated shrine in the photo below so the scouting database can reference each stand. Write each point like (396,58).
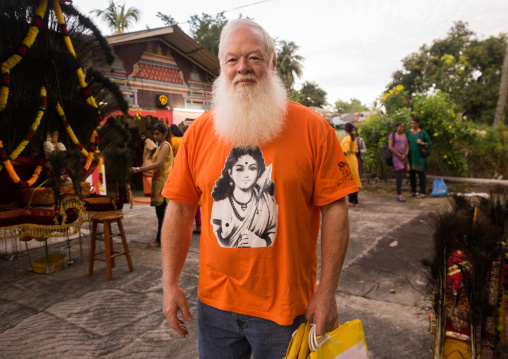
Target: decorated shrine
(55,123)
(468,279)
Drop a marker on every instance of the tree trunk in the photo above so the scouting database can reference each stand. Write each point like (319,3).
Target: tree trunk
(503,91)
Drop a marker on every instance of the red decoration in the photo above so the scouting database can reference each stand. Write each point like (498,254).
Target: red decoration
(37,21)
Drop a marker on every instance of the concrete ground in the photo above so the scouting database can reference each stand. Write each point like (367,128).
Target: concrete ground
(67,314)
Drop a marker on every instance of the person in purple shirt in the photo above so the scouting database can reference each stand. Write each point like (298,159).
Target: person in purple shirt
(397,143)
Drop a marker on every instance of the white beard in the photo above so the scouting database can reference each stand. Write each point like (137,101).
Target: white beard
(252,115)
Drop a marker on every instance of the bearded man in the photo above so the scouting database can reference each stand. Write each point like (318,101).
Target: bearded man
(256,159)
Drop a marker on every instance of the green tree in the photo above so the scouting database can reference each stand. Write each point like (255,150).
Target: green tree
(460,65)
(354,105)
(168,20)
(295,96)
(312,95)
(207,29)
(289,64)
(117,18)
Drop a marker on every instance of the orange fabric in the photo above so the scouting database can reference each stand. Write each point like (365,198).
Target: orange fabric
(308,170)
(457,349)
(175,142)
(147,183)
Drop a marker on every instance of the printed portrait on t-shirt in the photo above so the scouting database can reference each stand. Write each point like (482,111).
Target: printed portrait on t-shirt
(244,211)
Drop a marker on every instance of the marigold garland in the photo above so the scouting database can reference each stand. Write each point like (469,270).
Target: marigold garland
(29,135)
(4,93)
(69,130)
(87,93)
(20,52)
(94,139)
(63,29)
(12,172)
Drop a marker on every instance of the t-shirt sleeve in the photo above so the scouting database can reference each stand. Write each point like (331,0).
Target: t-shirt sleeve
(180,185)
(333,178)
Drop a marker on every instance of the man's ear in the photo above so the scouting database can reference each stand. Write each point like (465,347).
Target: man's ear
(274,62)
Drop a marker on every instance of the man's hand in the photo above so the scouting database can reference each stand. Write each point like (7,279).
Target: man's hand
(323,307)
(174,300)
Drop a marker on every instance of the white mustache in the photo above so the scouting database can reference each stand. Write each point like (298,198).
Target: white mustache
(239,78)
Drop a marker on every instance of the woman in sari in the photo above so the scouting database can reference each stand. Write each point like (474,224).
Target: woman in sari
(350,148)
(244,213)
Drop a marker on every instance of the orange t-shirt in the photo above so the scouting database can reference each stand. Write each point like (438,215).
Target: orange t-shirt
(273,192)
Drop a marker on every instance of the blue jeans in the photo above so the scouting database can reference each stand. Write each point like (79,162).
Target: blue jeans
(223,335)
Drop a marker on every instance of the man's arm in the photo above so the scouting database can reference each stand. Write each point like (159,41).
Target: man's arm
(334,243)
(176,238)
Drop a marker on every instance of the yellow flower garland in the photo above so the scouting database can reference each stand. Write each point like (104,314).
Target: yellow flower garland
(33,128)
(59,15)
(14,176)
(90,100)
(12,61)
(69,130)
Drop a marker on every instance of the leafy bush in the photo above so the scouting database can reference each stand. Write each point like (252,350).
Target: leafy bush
(437,116)
(487,154)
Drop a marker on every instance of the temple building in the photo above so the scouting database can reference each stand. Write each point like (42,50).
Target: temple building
(164,74)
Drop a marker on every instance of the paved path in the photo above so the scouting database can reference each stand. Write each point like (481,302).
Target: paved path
(69,315)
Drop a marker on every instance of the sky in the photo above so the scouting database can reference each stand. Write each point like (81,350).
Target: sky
(351,47)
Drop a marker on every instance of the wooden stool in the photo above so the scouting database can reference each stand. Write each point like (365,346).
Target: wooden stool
(109,253)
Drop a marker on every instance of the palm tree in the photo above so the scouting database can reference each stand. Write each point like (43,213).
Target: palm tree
(289,65)
(116,17)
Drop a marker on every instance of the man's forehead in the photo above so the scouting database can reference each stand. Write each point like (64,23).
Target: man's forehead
(242,34)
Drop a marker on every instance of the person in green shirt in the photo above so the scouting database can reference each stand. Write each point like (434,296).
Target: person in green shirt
(417,136)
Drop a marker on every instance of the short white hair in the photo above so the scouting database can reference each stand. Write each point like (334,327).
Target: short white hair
(234,24)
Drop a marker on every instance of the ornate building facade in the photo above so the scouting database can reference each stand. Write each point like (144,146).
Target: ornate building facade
(164,74)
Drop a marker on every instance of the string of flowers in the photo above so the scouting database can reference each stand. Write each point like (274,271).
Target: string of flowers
(69,130)
(94,140)
(12,172)
(29,135)
(26,44)
(87,93)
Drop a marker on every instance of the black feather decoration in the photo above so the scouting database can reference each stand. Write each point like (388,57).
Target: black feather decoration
(76,171)
(102,82)
(89,24)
